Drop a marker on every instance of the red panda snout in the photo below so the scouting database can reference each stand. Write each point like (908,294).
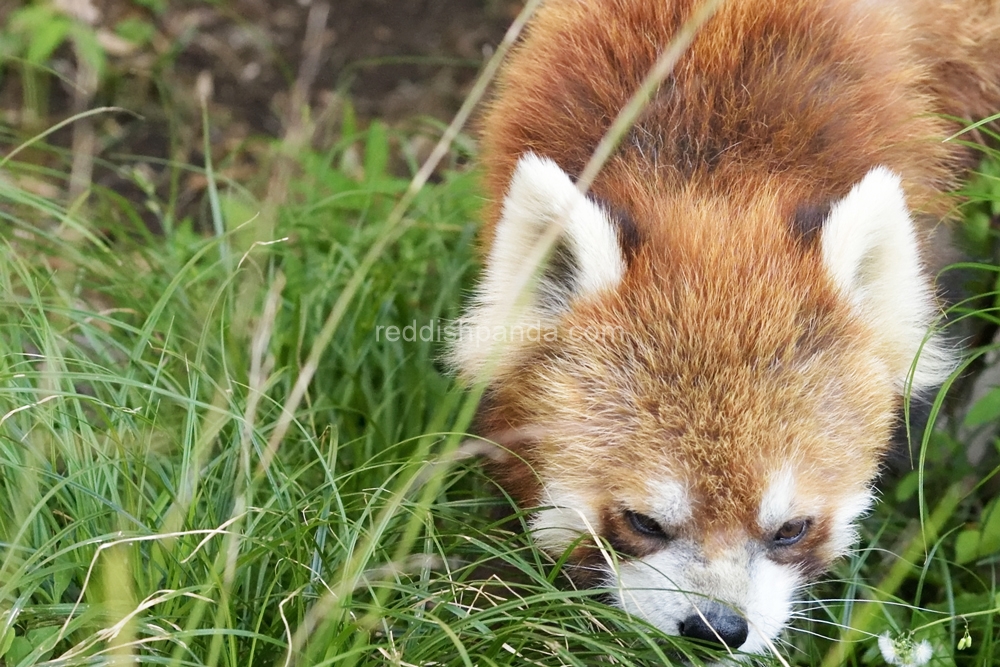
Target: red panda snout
(663,565)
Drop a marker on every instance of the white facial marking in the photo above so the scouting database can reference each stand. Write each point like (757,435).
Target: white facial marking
(769,602)
(541,194)
(555,528)
(667,587)
(658,587)
(669,502)
(870,249)
(843,531)
(778,502)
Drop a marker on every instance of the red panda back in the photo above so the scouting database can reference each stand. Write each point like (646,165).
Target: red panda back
(808,93)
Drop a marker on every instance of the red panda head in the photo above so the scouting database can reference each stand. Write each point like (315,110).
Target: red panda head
(697,412)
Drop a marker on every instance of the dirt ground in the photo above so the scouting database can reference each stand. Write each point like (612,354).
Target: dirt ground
(462,31)
(394,58)
(265,63)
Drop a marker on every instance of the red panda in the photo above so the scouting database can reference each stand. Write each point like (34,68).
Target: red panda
(707,372)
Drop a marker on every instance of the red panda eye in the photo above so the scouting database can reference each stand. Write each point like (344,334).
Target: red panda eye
(645,525)
(791,532)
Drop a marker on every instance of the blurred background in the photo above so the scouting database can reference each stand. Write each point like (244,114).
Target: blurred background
(265,65)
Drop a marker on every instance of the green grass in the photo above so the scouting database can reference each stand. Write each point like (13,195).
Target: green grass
(153,511)
(163,502)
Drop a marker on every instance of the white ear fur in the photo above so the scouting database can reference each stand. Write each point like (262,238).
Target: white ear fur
(541,194)
(870,249)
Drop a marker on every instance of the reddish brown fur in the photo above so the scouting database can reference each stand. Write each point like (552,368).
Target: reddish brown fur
(777,106)
(801,96)
(959,41)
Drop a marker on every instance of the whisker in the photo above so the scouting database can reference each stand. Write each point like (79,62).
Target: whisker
(812,605)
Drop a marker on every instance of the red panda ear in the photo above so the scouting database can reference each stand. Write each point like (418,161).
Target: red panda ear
(514,297)
(870,249)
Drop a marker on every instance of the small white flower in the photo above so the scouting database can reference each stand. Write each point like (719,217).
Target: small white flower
(888,649)
(903,651)
(922,653)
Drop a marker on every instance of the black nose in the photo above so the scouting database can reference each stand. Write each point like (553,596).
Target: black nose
(724,626)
